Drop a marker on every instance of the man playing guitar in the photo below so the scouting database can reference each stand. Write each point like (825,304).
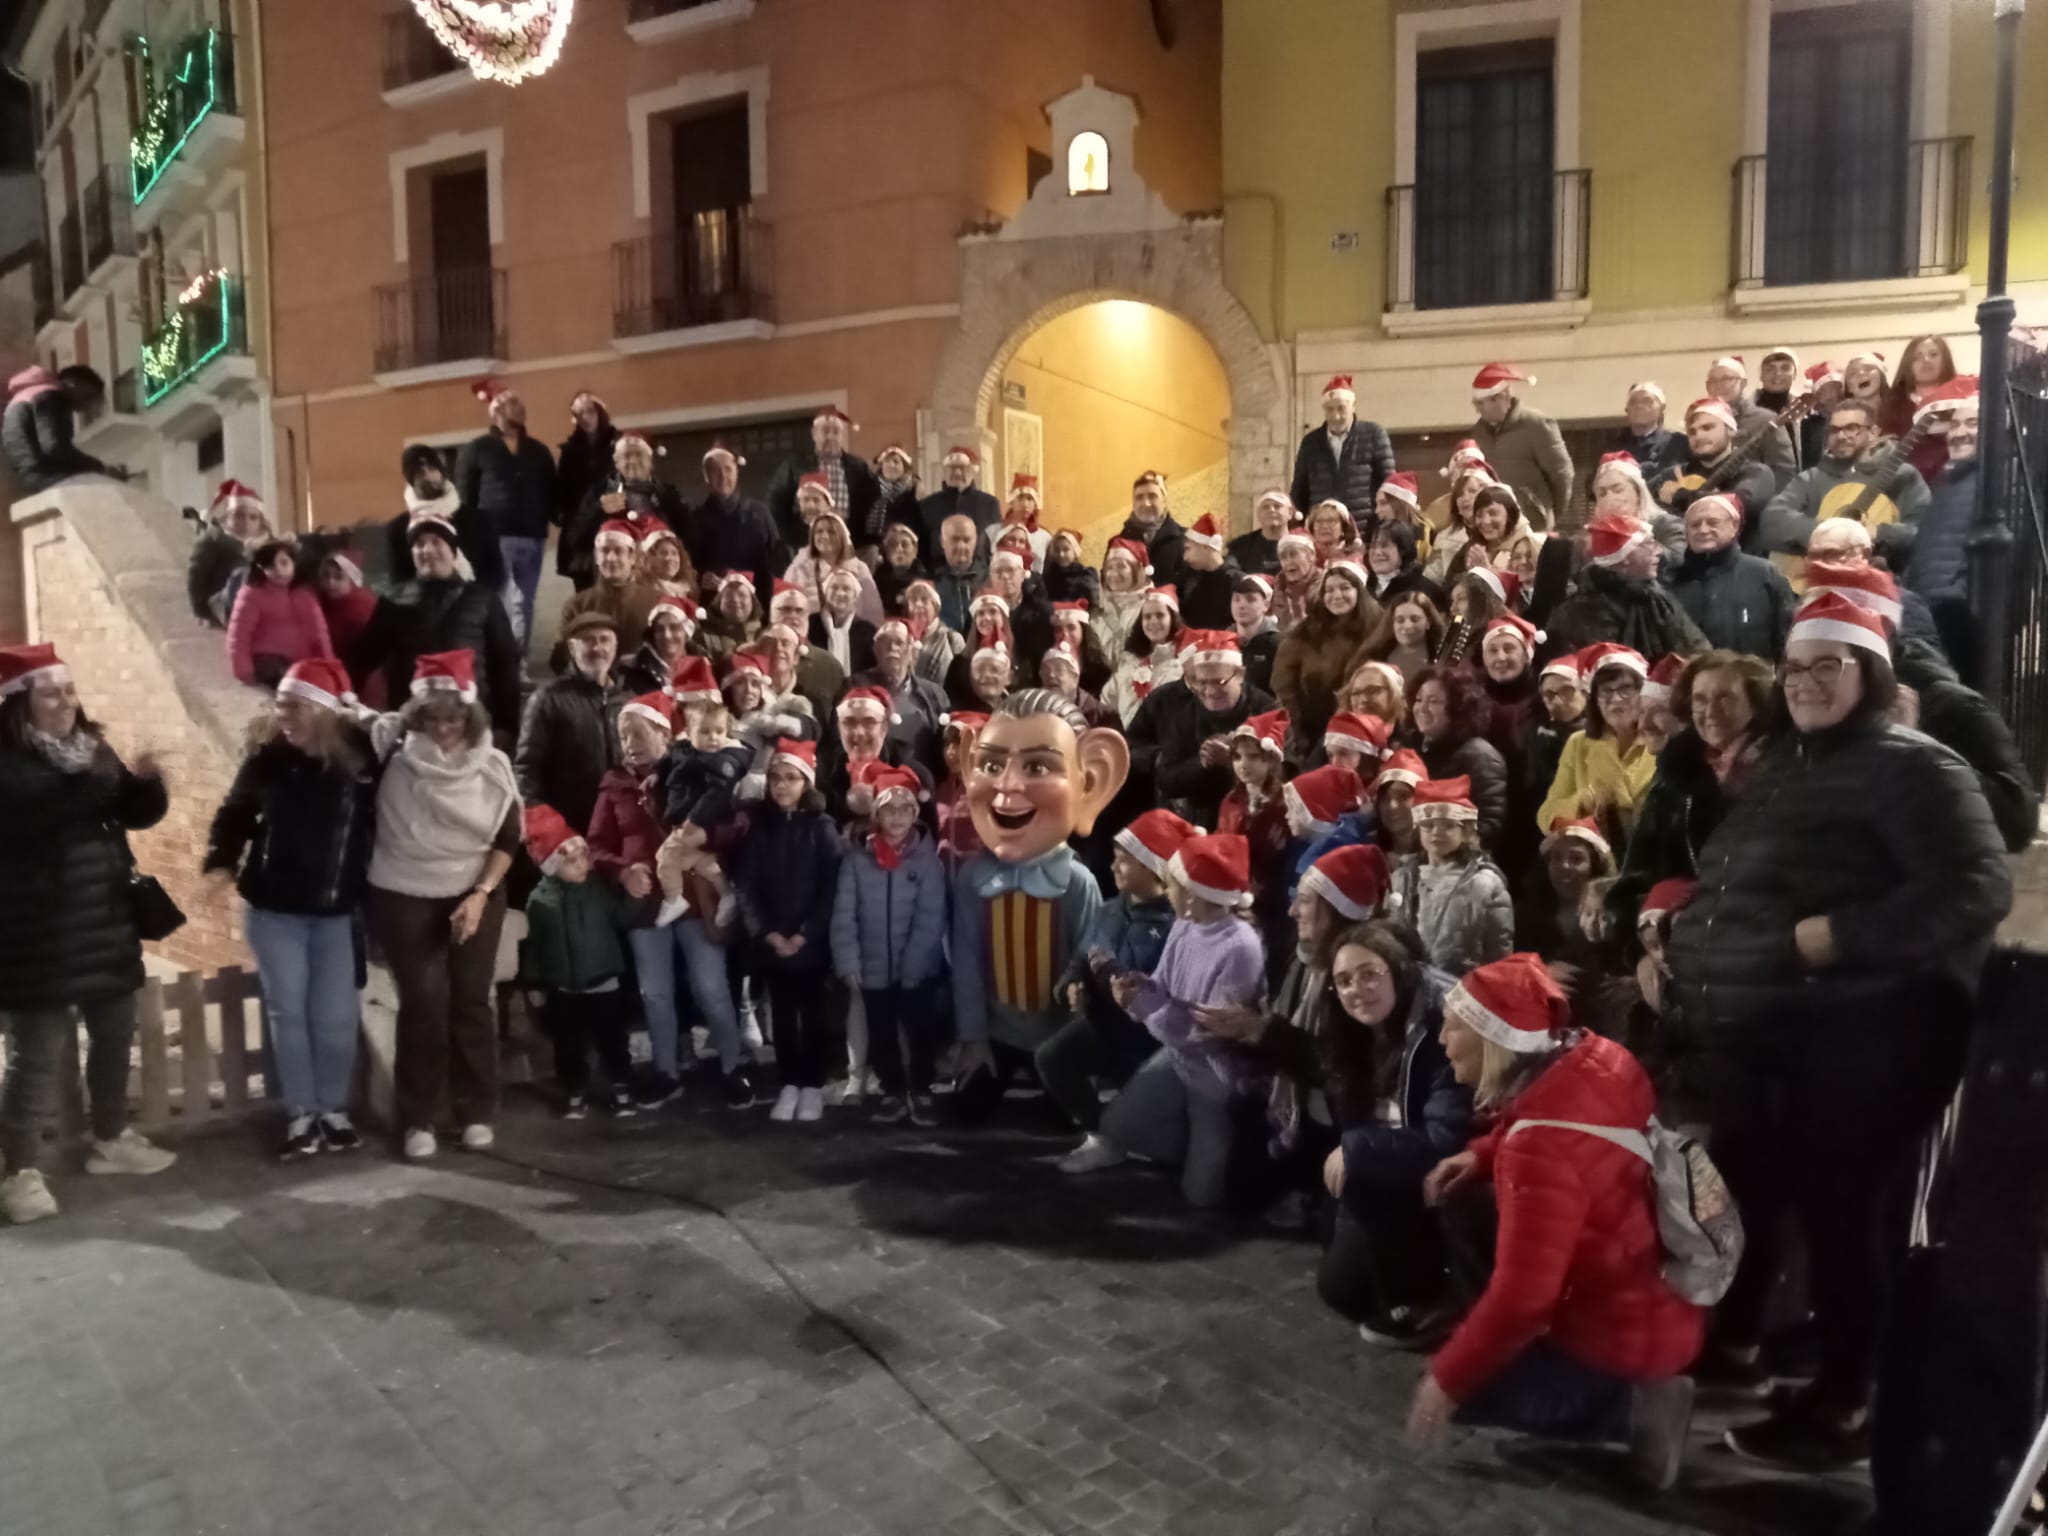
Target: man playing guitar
(1717,463)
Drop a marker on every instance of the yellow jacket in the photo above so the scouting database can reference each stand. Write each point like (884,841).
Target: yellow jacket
(1591,767)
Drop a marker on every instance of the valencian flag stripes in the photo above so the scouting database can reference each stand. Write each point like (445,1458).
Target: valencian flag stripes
(1020,941)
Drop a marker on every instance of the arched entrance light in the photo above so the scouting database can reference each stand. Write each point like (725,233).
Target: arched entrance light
(1087,164)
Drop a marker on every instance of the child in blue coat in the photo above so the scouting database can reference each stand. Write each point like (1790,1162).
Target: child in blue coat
(888,932)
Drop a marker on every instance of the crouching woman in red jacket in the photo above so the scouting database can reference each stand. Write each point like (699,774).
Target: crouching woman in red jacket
(1577,1337)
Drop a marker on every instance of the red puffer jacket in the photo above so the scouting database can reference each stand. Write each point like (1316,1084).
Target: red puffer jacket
(1578,1257)
(624,830)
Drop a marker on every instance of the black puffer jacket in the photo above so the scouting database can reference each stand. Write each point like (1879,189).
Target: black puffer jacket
(515,490)
(583,465)
(1879,829)
(1480,761)
(576,554)
(307,830)
(786,878)
(432,616)
(67,927)
(35,434)
(1962,719)
(1166,544)
(1740,602)
(1610,606)
(735,533)
(568,742)
(1355,481)
(216,555)
(1940,569)
(970,502)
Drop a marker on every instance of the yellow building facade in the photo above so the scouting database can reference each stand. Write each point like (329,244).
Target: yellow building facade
(1722,178)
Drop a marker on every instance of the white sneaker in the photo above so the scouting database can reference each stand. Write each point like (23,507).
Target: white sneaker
(785,1105)
(850,1094)
(478,1138)
(128,1153)
(25,1198)
(420,1145)
(1093,1153)
(672,908)
(810,1104)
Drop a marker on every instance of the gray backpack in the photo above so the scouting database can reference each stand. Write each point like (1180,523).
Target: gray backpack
(1696,1216)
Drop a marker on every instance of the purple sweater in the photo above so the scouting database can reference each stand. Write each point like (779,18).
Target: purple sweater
(1204,965)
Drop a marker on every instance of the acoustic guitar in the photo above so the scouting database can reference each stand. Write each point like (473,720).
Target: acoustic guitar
(1745,449)
(1868,501)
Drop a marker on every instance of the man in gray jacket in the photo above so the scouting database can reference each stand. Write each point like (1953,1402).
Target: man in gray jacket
(1523,445)
(1854,457)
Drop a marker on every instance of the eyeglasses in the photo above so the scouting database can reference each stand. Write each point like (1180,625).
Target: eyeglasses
(1826,672)
(1624,690)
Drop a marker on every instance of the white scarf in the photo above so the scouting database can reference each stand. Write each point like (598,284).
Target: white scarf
(438,814)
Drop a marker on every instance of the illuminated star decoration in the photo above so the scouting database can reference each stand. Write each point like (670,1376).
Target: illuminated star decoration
(503,40)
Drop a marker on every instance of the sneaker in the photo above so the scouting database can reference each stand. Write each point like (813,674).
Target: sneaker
(922,1110)
(24,1198)
(1802,1438)
(785,1105)
(576,1107)
(621,1104)
(890,1109)
(739,1089)
(657,1089)
(301,1140)
(810,1104)
(478,1138)
(1660,1418)
(848,1094)
(1722,1374)
(128,1153)
(338,1135)
(1093,1153)
(1421,1328)
(420,1145)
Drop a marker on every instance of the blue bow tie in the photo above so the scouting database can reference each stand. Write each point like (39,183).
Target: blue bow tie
(1046,877)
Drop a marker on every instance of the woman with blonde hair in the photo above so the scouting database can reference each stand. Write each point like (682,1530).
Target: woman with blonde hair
(295,834)
(1378,689)
(1618,486)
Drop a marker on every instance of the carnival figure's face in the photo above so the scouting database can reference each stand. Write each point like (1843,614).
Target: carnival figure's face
(1034,783)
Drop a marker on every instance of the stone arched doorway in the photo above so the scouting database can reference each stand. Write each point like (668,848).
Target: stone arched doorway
(1010,288)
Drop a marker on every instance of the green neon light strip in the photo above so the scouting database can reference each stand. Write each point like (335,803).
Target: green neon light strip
(149,396)
(163,161)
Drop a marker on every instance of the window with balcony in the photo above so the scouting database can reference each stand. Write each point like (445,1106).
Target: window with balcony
(1844,192)
(194,80)
(452,309)
(706,261)
(203,321)
(412,54)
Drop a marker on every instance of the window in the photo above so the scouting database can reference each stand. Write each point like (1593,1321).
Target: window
(704,263)
(212,450)
(1836,202)
(763,444)
(1483,175)
(1087,164)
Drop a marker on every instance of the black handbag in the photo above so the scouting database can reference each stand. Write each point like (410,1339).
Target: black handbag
(156,915)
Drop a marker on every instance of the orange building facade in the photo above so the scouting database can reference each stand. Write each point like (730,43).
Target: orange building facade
(719,217)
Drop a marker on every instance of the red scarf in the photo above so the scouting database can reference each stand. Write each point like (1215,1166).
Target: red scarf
(888,855)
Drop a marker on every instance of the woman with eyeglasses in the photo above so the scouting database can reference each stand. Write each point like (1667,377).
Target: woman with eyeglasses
(1605,769)
(1825,969)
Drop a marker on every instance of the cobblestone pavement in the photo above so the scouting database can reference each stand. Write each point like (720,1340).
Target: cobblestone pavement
(700,1322)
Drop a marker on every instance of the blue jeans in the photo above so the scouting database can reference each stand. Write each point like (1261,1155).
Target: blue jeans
(523,558)
(654,955)
(1546,1393)
(310,1005)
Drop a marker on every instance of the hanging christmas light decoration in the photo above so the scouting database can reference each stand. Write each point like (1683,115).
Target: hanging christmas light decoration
(503,40)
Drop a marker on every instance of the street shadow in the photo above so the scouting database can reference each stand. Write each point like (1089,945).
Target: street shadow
(1717,1494)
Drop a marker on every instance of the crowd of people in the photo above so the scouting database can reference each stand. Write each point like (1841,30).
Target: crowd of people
(1383,870)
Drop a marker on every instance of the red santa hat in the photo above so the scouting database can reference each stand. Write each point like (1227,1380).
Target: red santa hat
(1622,460)
(925,585)
(899,450)
(652,531)
(869,703)
(1957,396)
(1071,535)
(1216,866)
(1212,645)
(1064,653)
(1785,352)
(318,680)
(1275,493)
(1494,378)
(959,453)
(1354,881)
(1664,676)
(1730,363)
(1514,624)
(1402,767)
(638,440)
(800,755)
(783,588)
(962,720)
(1132,551)
(1821,373)
(1720,410)
(1167,593)
(989,597)
(1445,800)
(1611,535)
(232,497)
(1831,616)
(1297,537)
(1515,1003)
(1866,586)
(682,609)
(1505,585)
(1154,837)
(1586,829)
(1268,730)
(550,838)
(1353,572)
(1204,533)
(747,664)
(657,709)
(720,451)
(1364,734)
(345,561)
(720,580)
(1324,794)
(1647,387)
(1340,388)
(1872,359)
(1022,484)
(833,413)
(893,625)
(1402,486)
(1667,898)
(1151,477)
(1565,666)
(584,397)
(1594,659)
(445,672)
(618,530)
(1077,611)
(817,481)
(692,682)
(1021,558)
(889,781)
(1467,454)
(1263,583)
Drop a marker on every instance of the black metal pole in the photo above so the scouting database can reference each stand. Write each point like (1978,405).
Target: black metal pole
(1991,539)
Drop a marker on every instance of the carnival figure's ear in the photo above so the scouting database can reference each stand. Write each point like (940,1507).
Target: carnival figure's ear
(1105,758)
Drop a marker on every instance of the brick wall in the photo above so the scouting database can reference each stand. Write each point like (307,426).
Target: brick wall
(126,683)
